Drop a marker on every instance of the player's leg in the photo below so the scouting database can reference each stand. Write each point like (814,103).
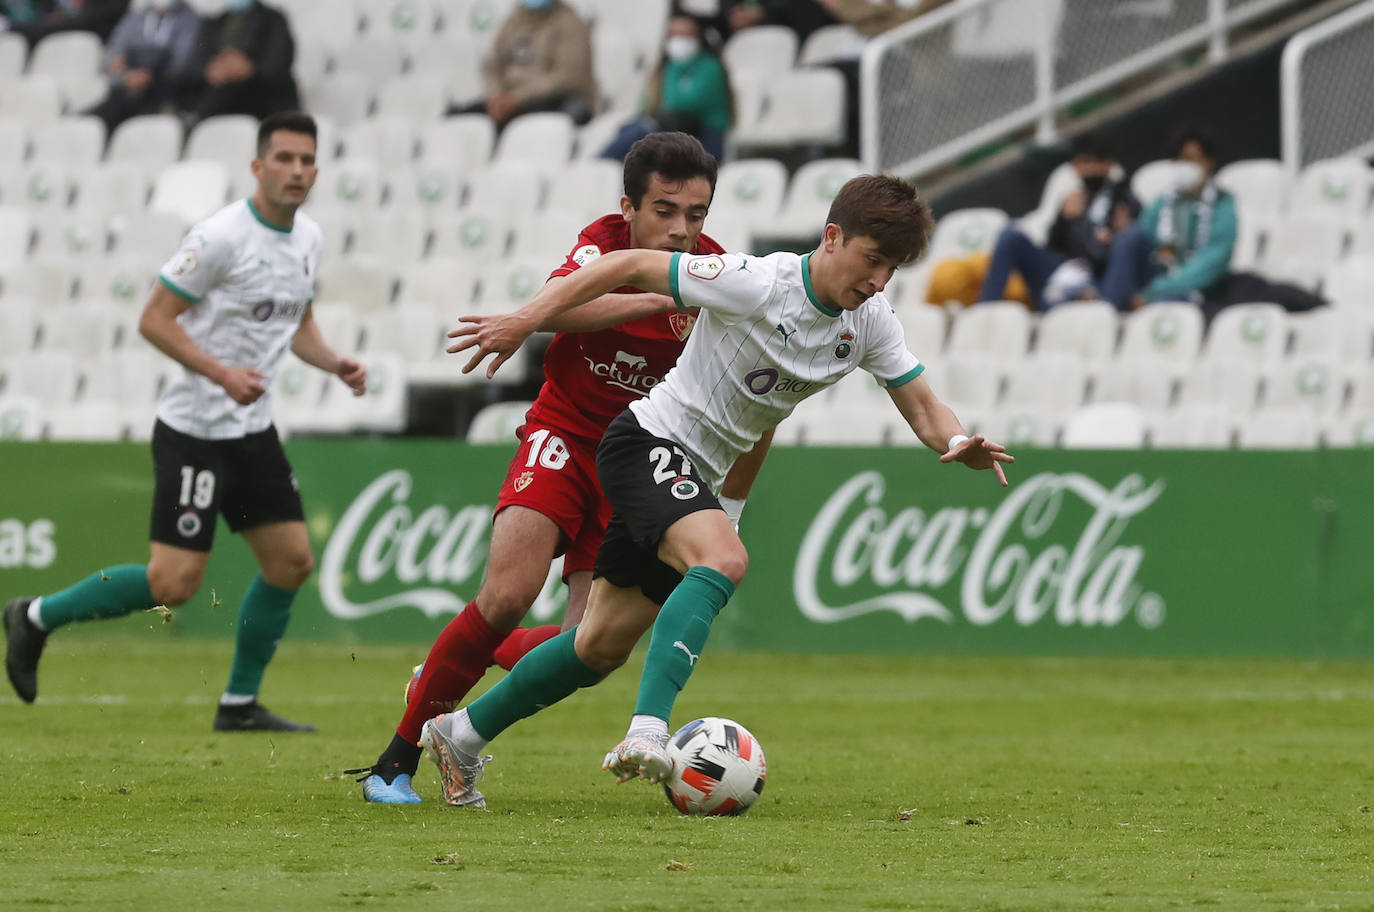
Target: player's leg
(186,500)
(263,504)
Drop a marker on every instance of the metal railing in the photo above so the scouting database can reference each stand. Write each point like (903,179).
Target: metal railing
(978,71)
(1325,79)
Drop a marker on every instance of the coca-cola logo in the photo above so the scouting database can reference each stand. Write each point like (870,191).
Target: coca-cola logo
(429,557)
(1024,560)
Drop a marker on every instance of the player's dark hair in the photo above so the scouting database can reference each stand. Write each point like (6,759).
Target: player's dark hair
(675,157)
(1194,133)
(886,209)
(1092,145)
(290,121)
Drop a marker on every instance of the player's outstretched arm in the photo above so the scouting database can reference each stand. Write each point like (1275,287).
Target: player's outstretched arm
(158,324)
(935,424)
(607,311)
(308,344)
(503,334)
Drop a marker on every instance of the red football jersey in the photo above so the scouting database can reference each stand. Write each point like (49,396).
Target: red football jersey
(589,378)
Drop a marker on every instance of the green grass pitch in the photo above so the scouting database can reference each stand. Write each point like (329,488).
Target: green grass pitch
(894,783)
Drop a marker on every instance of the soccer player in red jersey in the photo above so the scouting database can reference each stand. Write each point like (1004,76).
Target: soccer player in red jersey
(606,354)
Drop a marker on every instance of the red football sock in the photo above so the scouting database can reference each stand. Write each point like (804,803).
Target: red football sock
(456,661)
(520,641)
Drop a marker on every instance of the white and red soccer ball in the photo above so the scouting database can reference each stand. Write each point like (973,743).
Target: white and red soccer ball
(718,768)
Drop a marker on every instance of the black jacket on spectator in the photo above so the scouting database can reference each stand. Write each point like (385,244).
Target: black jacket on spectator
(262,34)
(1079,238)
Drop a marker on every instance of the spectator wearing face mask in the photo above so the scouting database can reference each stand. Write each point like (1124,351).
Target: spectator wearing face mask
(150,50)
(242,65)
(689,93)
(1080,240)
(1181,248)
(541,60)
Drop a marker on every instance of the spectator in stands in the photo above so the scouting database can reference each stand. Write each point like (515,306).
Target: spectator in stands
(1181,248)
(689,92)
(150,50)
(541,60)
(36,19)
(242,65)
(802,16)
(1080,241)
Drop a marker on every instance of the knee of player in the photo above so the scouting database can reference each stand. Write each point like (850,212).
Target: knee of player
(505,602)
(173,585)
(290,569)
(601,654)
(730,560)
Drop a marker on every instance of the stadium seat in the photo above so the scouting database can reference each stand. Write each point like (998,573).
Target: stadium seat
(115,189)
(405,20)
(135,376)
(1000,328)
(1051,381)
(476,21)
(1152,179)
(1333,187)
(338,324)
(33,99)
(448,286)
(496,423)
(40,185)
(731,233)
(343,96)
(750,189)
(593,187)
(464,142)
(543,138)
(69,234)
(424,188)
(417,98)
(1301,248)
(21,417)
(511,283)
(382,409)
(84,331)
(1315,384)
(513,188)
(966,382)
(121,281)
(965,231)
(50,377)
(68,57)
(191,190)
(392,236)
(1104,426)
(1145,381)
(229,138)
(150,141)
(413,329)
(364,284)
(1021,427)
(829,42)
(377,58)
(1260,185)
(94,422)
(829,422)
(808,199)
(1228,383)
(351,182)
(148,238)
(332,24)
(595,135)
(925,326)
(549,237)
(1253,229)
(1086,329)
(297,392)
(471,236)
(1279,429)
(1062,181)
(1326,332)
(72,142)
(16,231)
(337,224)
(312,62)
(641,17)
(1251,332)
(18,325)
(800,108)
(1165,329)
(619,73)
(1201,428)
(1349,430)
(14,51)
(388,141)
(46,284)
(768,49)
(14,141)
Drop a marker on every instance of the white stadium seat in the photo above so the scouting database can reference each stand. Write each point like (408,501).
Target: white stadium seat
(21,417)
(362,283)
(769,49)
(496,423)
(416,98)
(389,141)
(800,107)
(18,326)
(406,20)
(14,140)
(1334,187)
(68,57)
(750,189)
(413,329)
(121,281)
(1314,384)
(228,138)
(809,196)
(545,138)
(618,72)
(829,42)
(383,407)
(377,58)
(463,142)
(448,286)
(1300,249)
(16,229)
(471,236)
(191,190)
(1087,329)
(1251,332)
(33,99)
(13,52)
(351,182)
(1165,329)
(392,236)
(1103,426)
(966,382)
(1202,428)
(1000,328)
(40,185)
(1050,381)
(150,141)
(1152,179)
(46,284)
(1022,427)
(515,188)
(1279,429)
(146,237)
(343,96)
(1349,430)
(83,330)
(1144,381)
(72,142)
(1231,384)
(1062,181)
(925,326)
(593,187)
(424,188)
(332,24)
(551,236)
(92,422)
(1260,185)
(966,231)
(116,189)
(50,377)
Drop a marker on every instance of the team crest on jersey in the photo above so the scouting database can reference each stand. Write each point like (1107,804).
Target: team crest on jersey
(585,254)
(705,267)
(682,324)
(846,346)
(523,481)
(186,263)
(685,489)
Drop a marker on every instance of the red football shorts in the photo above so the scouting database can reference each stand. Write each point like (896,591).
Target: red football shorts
(555,475)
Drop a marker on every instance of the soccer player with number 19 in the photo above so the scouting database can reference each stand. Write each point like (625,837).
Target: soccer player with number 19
(772,331)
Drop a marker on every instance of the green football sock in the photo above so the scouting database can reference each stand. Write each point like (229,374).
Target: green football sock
(679,635)
(109,593)
(262,621)
(547,674)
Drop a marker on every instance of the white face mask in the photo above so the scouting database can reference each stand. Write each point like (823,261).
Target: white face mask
(681,47)
(1188,176)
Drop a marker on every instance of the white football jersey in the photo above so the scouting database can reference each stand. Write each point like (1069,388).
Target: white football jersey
(249,283)
(762,343)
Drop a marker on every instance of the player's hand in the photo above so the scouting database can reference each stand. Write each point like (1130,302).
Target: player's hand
(498,334)
(352,372)
(977,452)
(243,384)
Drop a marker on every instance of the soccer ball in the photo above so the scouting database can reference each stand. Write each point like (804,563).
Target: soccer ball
(718,768)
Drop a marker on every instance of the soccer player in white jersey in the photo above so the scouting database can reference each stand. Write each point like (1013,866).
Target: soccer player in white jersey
(227,306)
(772,331)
